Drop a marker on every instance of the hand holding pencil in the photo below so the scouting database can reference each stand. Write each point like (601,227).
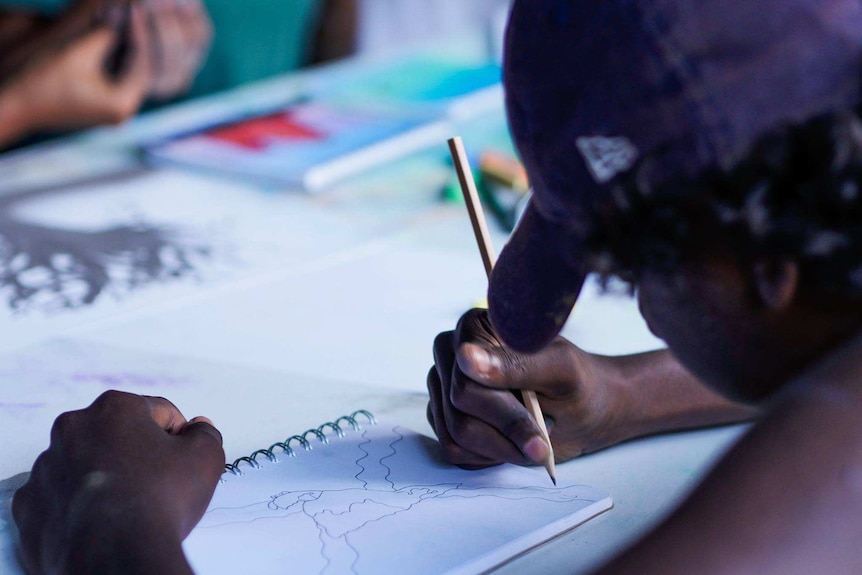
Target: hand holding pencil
(589,401)
(483,239)
(477,418)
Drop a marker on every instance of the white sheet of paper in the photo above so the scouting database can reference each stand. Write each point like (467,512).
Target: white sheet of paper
(116,247)
(378,501)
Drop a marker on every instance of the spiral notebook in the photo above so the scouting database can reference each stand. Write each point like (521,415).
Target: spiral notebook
(355,496)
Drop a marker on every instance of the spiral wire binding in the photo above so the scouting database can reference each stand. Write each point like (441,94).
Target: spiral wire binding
(302,440)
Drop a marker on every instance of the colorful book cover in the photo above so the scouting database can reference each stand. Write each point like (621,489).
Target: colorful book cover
(352,118)
(310,145)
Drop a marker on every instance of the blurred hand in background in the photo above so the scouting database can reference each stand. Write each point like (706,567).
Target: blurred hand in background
(128,53)
(180,33)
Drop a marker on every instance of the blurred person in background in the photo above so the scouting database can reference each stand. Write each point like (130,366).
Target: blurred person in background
(67,65)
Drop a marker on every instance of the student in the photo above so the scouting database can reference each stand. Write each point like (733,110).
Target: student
(711,153)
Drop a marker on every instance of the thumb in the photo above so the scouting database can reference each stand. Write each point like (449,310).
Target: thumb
(138,70)
(202,444)
(202,426)
(485,359)
(500,367)
(205,441)
(123,94)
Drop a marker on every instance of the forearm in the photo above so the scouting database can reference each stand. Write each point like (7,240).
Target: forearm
(657,394)
(14,115)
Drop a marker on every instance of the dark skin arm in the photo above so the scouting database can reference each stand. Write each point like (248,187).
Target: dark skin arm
(787,499)
(591,401)
(122,483)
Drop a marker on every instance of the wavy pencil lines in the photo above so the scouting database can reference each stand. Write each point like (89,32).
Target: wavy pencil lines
(368,522)
(353,505)
(362,469)
(370,495)
(399,437)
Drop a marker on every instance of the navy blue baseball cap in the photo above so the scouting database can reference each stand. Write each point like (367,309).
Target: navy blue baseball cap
(592,86)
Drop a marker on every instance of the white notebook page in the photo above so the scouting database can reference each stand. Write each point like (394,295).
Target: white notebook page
(378,501)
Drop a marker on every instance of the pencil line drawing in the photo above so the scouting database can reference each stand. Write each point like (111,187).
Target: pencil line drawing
(337,516)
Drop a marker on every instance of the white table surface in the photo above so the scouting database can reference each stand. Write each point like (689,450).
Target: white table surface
(310,307)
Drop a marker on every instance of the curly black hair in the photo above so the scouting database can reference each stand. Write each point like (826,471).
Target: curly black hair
(797,193)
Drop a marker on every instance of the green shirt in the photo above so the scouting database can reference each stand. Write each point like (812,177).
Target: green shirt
(45,7)
(253,39)
(256,39)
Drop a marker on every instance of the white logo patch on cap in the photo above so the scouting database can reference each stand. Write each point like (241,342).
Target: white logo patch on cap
(607,157)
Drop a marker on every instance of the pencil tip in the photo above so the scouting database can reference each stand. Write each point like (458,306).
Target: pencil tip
(554,479)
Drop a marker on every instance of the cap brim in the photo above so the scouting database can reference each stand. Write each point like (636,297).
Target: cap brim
(535,283)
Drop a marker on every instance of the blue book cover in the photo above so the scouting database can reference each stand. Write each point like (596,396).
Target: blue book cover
(353,118)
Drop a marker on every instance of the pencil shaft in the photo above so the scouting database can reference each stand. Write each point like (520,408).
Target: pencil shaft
(483,239)
(474,205)
(532,404)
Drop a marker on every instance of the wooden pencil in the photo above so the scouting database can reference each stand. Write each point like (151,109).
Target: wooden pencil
(483,239)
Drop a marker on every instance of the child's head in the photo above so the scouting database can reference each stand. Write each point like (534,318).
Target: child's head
(708,149)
